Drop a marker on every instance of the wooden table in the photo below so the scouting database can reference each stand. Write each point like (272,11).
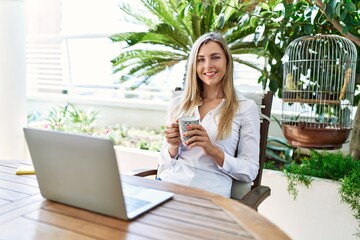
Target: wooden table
(191,214)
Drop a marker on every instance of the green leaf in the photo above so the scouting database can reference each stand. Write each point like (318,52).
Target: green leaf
(195,23)
(254,21)
(221,22)
(350,7)
(330,8)
(308,29)
(163,34)
(273,86)
(207,19)
(264,6)
(280,141)
(139,16)
(345,30)
(261,79)
(273,155)
(337,10)
(343,15)
(218,9)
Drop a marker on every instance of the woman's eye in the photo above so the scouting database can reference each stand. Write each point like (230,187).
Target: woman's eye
(200,60)
(216,57)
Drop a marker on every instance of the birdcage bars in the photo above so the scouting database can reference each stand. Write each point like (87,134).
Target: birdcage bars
(318,91)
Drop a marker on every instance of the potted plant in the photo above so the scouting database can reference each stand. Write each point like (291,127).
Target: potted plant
(335,166)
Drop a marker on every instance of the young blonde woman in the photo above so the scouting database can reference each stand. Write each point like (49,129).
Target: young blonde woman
(225,145)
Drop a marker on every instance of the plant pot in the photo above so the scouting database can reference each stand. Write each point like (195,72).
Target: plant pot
(312,135)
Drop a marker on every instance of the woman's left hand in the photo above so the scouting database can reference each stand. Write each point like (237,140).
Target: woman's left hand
(199,137)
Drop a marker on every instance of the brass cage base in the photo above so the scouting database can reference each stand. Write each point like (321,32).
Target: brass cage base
(319,137)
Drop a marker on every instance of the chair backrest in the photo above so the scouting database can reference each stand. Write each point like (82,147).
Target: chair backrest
(266,105)
(264,102)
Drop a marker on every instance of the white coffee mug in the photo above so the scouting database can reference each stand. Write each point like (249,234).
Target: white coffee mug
(183,123)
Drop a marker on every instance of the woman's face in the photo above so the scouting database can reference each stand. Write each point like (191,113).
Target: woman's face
(211,63)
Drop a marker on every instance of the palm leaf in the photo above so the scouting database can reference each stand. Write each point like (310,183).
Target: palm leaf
(138,62)
(140,55)
(239,34)
(137,15)
(207,20)
(134,38)
(196,26)
(186,15)
(248,48)
(172,34)
(182,18)
(164,11)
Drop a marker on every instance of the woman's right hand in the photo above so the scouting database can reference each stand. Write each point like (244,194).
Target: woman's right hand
(172,136)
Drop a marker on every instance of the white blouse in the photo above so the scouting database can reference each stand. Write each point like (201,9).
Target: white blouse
(194,168)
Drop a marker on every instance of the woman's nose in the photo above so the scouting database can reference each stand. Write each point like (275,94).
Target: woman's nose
(208,64)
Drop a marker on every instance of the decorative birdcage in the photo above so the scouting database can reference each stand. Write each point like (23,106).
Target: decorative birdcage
(318,91)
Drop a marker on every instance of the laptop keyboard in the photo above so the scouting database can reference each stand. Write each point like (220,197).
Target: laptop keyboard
(133,203)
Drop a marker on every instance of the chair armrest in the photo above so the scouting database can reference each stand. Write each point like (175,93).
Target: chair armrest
(145,173)
(256,196)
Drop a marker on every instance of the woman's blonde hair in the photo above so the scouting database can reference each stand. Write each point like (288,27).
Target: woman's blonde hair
(192,96)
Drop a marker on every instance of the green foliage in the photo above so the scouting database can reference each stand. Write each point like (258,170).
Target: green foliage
(277,149)
(175,25)
(350,193)
(147,139)
(270,165)
(330,165)
(263,28)
(70,119)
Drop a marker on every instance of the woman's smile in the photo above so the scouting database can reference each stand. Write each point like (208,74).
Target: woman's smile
(210,74)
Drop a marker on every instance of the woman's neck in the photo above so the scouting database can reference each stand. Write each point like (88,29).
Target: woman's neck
(213,94)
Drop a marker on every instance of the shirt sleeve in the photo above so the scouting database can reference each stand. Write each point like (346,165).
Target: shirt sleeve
(245,165)
(165,160)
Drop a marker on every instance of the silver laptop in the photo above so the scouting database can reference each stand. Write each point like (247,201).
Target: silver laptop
(82,171)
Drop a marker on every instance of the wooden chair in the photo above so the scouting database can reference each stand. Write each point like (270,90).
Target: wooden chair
(255,193)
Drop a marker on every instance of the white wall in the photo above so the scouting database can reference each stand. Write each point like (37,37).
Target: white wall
(12,80)
(318,212)
(151,114)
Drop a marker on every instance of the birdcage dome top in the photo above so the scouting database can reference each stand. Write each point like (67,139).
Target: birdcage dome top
(321,47)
